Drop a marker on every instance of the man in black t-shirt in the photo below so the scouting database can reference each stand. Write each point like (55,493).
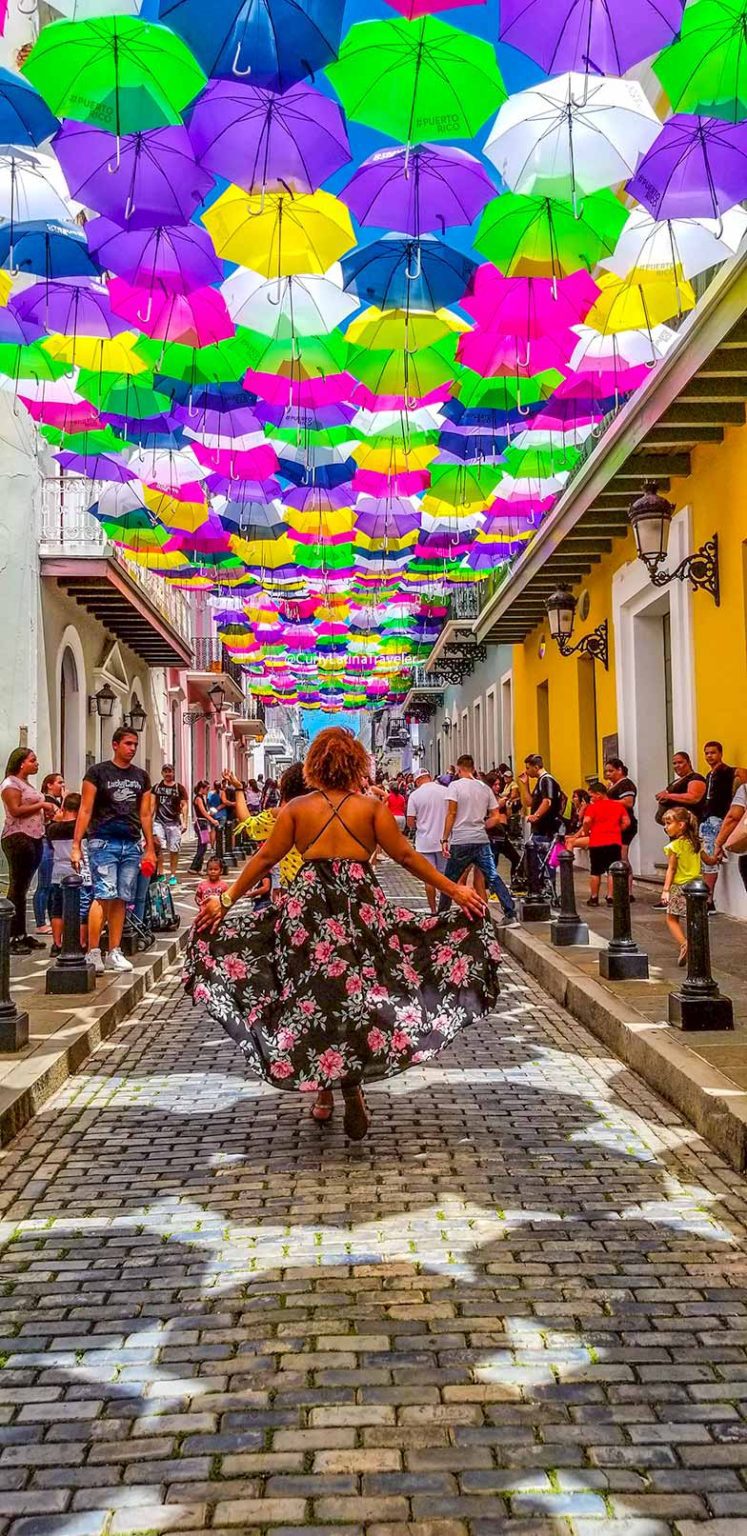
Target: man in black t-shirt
(170,817)
(546,804)
(116,812)
(716,802)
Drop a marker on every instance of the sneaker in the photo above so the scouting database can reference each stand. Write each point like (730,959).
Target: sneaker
(20,947)
(512,921)
(116,961)
(96,959)
(56,949)
(34,943)
(173,880)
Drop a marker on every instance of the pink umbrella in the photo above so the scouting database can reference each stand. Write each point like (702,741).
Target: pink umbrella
(414,8)
(210,538)
(361,396)
(196,319)
(247,464)
(493,352)
(369,482)
(80,417)
(276,389)
(528,306)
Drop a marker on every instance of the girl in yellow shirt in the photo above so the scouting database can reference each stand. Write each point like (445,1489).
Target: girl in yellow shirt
(684,865)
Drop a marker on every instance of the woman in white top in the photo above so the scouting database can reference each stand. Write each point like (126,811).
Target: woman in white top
(22,840)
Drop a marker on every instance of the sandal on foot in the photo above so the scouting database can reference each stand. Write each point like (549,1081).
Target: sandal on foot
(593,901)
(321,1109)
(682,957)
(357,1118)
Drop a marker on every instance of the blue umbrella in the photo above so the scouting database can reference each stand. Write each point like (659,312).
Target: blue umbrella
(402,273)
(326,475)
(49,250)
(470,448)
(25,117)
(274,42)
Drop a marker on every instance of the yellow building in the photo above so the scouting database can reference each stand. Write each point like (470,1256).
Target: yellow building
(677,672)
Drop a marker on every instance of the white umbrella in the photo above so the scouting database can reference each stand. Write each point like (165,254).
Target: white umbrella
(83,10)
(610,352)
(282,308)
(693,245)
(169,471)
(116,500)
(572,135)
(26,189)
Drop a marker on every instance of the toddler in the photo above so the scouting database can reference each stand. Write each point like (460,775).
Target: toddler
(684,865)
(60,835)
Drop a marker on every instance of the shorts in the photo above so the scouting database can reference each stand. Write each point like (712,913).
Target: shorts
(709,831)
(169,834)
(676,903)
(601,858)
(55,901)
(438,860)
(115,866)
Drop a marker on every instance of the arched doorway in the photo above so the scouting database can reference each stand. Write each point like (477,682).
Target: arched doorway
(72,748)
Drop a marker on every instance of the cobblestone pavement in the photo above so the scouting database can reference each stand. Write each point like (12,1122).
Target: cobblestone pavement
(519,1307)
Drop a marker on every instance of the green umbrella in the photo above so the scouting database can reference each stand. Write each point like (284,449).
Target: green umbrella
(706,70)
(118,72)
(417,80)
(543,237)
(314,437)
(506,394)
(225,362)
(122,395)
(97,441)
(544,462)
(463,484)
(313,356)
(135,538)
(413,374)
(30,362)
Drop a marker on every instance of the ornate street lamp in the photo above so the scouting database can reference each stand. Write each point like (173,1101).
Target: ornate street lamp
(103,702)
(217,697)
(650,517)
(137,717)
(561,617)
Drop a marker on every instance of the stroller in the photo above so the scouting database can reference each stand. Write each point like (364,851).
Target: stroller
(159,915)
(547,868)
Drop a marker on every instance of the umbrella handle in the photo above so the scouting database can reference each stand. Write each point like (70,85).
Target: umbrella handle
(412,276)
(235,66)
(129,209)
(144,319)
(29,10)
(112,169)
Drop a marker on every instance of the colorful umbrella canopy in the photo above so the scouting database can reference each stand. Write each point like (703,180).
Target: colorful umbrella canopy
(278,234)
(697,168)
(604,39)
(262,141)
(277,41)
(706,69)
(147,179)
(429,188)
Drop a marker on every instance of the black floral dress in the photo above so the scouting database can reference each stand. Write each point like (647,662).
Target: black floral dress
(334,985)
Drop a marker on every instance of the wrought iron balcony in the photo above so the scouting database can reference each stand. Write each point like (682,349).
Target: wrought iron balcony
(211,655)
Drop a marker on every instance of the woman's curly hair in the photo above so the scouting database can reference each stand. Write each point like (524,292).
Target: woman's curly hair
(335,760)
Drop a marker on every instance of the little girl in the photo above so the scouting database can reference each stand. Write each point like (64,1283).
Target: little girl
(683,854)
(213,885)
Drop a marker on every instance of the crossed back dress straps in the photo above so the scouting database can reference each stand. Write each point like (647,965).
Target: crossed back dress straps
(335,809)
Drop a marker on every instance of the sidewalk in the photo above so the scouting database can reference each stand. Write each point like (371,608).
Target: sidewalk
(64,1030)
(703,1074)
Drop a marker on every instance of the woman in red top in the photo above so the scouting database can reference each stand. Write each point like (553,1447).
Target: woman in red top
(604,822)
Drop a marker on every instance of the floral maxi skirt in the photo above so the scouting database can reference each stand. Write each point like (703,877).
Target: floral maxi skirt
(334,985)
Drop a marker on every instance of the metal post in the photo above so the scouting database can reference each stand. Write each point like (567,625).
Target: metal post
(567,928)
(229,850)
(14,1025)
(70,972)
(533,907)
(699,1004)
(622,960)
(219,852)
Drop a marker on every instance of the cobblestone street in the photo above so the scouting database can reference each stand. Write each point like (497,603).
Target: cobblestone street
(518,1307)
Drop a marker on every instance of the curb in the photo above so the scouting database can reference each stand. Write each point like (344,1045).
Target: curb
(709,1100)
(19,1103)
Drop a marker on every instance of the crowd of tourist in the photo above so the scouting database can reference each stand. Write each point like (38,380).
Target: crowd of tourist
(118,831)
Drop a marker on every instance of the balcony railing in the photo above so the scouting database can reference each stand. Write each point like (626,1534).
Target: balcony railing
(67,529)
(211,656)
(464,603)
(426,682)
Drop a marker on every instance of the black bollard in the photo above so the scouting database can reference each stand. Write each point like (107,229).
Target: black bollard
(699,1004)
(567,928)
(229,853)
(622,960)
(70,972)
(533,908)
(14,1025)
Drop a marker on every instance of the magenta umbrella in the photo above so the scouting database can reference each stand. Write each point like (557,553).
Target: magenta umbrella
(491,353)
(196,319)
(418,190)
(258,139)
(600,37)
(178,257)
(139,180)
(527,307)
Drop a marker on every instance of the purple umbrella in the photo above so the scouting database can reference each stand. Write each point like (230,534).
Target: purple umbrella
(95,466)
(601,37)
(696,169)
(15,331)
(258,139)
(71,308)
(180,256)
(243,490)
(417,191)
(310,498)
(139,180)
(229,424)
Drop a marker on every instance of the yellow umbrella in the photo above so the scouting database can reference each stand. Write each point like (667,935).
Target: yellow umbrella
(160,559)
(322,524)
(184,515)
(96,354)
(6,283)
(277,234)
(269,553)
(639,301)
(394,459)
(389,543)
(400,329)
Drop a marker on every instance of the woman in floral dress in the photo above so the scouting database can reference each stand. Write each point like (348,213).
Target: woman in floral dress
(333,987)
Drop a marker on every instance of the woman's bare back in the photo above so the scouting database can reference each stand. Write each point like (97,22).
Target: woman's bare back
(335,825)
